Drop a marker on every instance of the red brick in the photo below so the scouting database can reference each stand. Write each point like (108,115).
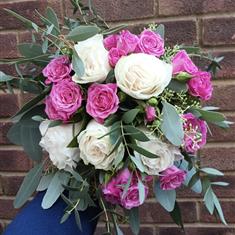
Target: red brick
(1,228)
(198,231)
(223,97)
(11,184)
(9,105)
(222,158)
(127,231)
(176,32)
(228,213)
(13,160)
(228,191)
(222,135)
(8,45)
(26,9)
(4,127)
(154,213)
(8,69)
(7,210)
(218,31)
(120,9)
(227,65)
(189,7)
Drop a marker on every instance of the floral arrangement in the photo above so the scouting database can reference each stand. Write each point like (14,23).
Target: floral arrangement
(117,112)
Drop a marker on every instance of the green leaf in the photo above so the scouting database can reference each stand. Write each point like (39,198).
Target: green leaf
(30,50)
(78,65)
(52,17)
(129,116)
(65,217)
(219,209)
(142,151)
(172,126)
(77,176)
(208,200)
(29,185)
(160,30)
(83,32)
(44,182)
(134,220)
(212,171)
(78,220)
(55,189)
(115,133)
(26,133)
(209,116)
(141,188)
(165,197)
(138,163)
(38,118)
(177,86)
(176,215)
(28,106)
(54,123)
(4,77)
(220,183)
(26,21)
(135,133)
(194,179)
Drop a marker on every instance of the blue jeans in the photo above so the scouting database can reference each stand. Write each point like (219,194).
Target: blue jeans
(33,220)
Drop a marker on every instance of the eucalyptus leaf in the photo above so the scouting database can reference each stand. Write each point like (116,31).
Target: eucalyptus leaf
(165,197)
(177,86)
(29,185)
(78,65)
(139,164)
(30,50)
(172,126)
(176,215)
(141,189)
(65,217)
(135,133)
(208,200)
(52,17)
(212,171)
(134,220)
(4,77)
(129,116)
(220,183)
(55,189)
(142,151)
(45,182)
(78,220)
(219,209)
(160,30)
(83,32)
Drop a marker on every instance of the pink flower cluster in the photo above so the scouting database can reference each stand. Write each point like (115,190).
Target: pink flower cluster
(195,131)
(172,178)
(122,44)
(200,84)
(58,69)
(102,101)
(114,190)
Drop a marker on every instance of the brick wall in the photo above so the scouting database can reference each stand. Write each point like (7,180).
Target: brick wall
(209,23)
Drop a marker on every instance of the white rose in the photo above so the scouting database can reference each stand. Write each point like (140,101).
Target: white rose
(95,60)
(142,76)
(55,141)
(166,153)
(96,151)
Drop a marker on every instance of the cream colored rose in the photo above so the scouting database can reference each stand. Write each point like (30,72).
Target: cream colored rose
(95,59)
(142,76)
(96,151)
(55,141)
(166,153)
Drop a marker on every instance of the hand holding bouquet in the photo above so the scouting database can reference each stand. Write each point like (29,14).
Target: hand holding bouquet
(117,112)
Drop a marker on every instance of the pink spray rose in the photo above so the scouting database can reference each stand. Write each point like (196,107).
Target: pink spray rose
(182,63)
(195,131)
(64,100)
(127,41)
(150,43)
(111,41)
(114,190)
(102,101)
(150,113)
(114,55)
(200,85)
(58,69)
(172,178)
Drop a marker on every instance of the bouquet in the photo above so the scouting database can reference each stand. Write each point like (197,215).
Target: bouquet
(119,115)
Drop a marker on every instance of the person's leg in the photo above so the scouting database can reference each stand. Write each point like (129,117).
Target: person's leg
(33,220)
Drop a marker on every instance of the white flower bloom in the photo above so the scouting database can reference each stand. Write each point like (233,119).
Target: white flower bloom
(142,76)
(96,150)
(55,141)
(166,153)
(95,60)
